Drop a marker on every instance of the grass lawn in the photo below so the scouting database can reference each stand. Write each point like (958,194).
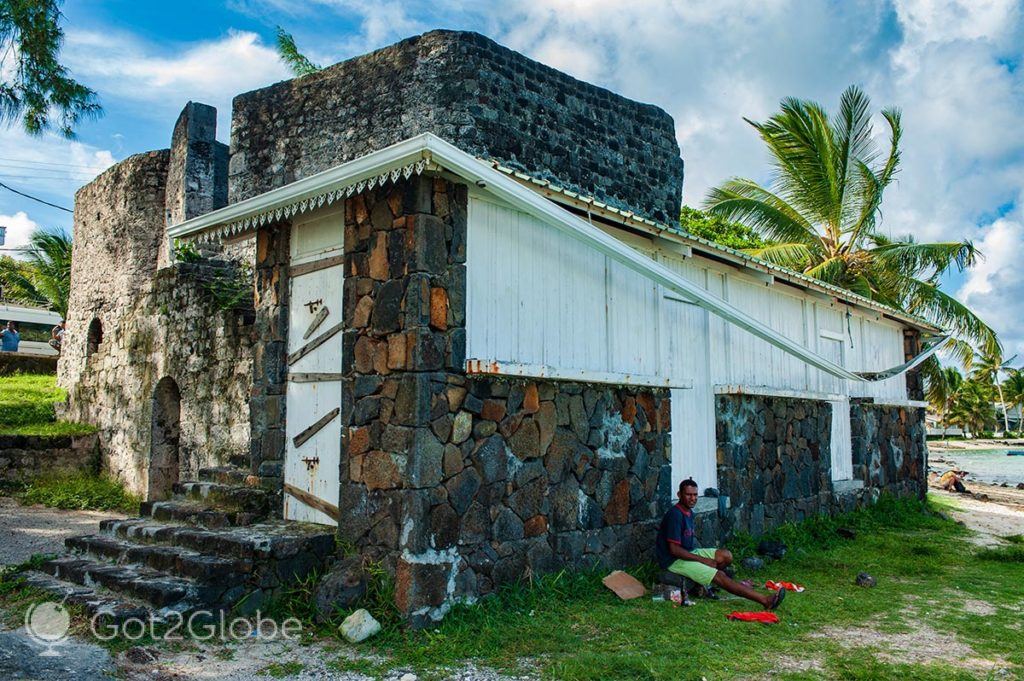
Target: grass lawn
(26,407)
(937,596)
(942,609)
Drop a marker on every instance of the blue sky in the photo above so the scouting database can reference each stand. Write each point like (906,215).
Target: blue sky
(951,66)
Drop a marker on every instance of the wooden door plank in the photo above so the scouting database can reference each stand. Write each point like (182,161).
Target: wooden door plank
(314,377)
(315,343)
(316,265)
(317,321)
(325,507)
(304,436)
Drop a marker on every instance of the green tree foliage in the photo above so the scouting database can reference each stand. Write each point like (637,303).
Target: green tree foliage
(718,229)
(33,84)
(1013,389)
(942,385)
(986,368)
(820,214)
(44,276)
(290,55)
(972,407)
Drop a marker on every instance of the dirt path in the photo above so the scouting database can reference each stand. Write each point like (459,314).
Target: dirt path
(25,530)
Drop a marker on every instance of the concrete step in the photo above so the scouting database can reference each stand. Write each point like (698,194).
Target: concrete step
(175,560)
(96,602)
(197,513)
(160,591)
(228,496)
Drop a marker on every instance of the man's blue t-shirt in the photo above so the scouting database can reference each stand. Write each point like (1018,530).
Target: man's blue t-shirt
(676,528)
(9,340)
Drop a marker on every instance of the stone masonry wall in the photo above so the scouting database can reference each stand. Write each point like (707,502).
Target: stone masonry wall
(775,461)
(890,451)
(270,365)
(474,93)
(173,329)
(23,458)
(540,475)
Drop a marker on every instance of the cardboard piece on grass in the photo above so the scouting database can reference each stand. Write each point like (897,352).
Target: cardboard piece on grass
(624,585)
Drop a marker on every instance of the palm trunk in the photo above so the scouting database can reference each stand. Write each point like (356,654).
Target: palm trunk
(1006,417)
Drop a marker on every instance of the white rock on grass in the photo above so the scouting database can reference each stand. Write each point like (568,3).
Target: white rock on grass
(359,626)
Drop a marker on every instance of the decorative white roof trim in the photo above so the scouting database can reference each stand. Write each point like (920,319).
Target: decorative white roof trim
(432,148)
(326,198)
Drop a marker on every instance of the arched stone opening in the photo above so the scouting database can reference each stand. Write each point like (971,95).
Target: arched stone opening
(95,337)
(164,452)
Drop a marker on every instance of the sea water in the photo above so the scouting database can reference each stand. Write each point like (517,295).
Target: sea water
(984,465)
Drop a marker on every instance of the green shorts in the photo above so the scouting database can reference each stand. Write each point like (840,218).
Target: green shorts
(698,572)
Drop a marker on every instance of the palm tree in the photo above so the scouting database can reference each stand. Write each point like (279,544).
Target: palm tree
(820,214)
(943,385)
(985,368)
(972,408)
(288,52)
(1013,388)
(44,276)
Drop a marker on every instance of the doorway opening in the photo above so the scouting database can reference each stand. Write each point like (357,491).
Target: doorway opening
(166,438)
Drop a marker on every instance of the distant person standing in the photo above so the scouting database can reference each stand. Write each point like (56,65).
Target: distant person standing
(57,336)
(10,338)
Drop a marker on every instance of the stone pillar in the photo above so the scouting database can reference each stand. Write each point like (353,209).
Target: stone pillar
(404,339)
(270,366)
(197,179)
(911,348)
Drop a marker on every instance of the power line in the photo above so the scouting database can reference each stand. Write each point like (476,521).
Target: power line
(29,196)
(36,169)
(8,176)
(46,163)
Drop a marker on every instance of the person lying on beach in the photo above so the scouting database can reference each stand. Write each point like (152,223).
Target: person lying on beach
(677,552)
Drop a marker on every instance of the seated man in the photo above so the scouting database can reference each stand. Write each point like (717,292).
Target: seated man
(677,553)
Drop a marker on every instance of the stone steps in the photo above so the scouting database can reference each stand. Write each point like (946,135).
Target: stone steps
(96,601)
(251,499)
(197,513)
(224,475)
(211,548)
(159,591)
(175,559)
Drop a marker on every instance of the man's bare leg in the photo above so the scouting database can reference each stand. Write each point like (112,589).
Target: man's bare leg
(732,586)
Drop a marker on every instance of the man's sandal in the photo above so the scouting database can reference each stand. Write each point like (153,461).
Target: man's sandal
(777,600)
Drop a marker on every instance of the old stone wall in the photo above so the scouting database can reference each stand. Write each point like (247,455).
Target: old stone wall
(890,450)
(775,459)
(467,89)
(20,362)
(543,475)
(174,329)
(24,458)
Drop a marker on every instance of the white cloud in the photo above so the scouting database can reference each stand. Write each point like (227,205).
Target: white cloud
(19,228)
(160,81)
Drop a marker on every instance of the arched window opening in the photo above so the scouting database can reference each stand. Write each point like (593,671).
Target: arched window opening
(95,337)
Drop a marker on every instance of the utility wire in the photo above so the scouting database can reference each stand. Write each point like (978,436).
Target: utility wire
(28,196)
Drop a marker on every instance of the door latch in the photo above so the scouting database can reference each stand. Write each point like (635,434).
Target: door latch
(311,462)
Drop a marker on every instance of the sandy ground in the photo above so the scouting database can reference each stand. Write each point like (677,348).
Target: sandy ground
(939,446)
(25,530)
(1002,515)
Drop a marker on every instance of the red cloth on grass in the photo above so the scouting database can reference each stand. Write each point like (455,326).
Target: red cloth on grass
(789,586)
(761,616)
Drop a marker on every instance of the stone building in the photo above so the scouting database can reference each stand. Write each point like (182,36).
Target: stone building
(477,341)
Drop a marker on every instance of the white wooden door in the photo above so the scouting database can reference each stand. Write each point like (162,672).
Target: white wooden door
(313,398)
(685,356)
(833,348)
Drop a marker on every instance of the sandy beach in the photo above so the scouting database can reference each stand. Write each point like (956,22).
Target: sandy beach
(940,446)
